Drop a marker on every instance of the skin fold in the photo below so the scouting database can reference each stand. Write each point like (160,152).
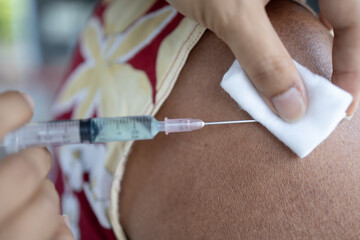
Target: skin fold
(266,61)
(239,181)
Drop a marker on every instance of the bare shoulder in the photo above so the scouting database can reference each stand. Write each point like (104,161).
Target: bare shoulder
(239,182)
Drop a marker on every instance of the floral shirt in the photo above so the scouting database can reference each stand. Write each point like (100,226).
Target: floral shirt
(126,63)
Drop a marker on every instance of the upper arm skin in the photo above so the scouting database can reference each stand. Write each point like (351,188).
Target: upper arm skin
(239,181)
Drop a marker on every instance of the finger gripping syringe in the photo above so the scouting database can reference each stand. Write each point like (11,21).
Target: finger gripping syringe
(98,130)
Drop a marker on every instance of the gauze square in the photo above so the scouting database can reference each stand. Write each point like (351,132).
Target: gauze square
(327,105)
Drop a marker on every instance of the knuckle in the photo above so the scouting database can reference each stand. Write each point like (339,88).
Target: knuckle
(65,235)
(269,70)
(222,19)
(50,200)
(28,173)
(40,157)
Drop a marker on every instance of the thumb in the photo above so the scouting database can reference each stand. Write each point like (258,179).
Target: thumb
(269,66)
(16,109)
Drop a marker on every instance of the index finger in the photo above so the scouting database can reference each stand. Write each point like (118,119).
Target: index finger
(344,16)
(16,109)
(346,57)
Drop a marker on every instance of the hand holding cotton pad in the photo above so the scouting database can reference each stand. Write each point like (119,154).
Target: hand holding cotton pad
(327,105)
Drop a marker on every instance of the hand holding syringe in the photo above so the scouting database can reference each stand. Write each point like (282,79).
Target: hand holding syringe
(99,130)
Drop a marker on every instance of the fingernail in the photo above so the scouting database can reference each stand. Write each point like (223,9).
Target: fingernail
(290,105)
(67,221)
(29,100)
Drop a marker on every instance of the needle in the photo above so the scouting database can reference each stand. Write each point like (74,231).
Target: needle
(230,122)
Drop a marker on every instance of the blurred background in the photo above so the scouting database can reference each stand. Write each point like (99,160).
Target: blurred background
(37,38)
(36,41)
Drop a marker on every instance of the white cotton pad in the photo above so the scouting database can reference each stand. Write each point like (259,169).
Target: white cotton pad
(326,108)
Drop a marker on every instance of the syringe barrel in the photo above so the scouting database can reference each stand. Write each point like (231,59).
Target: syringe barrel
(96,130)
(43,134)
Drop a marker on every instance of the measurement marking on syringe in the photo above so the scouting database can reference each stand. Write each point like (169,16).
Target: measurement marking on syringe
(98,130)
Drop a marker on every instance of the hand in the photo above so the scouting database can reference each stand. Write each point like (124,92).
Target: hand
(29,203)
(344,17)
(244,26)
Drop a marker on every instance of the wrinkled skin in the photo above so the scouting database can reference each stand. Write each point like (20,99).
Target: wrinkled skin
(239,23)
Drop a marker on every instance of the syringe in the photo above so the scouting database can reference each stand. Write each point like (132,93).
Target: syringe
(98,130)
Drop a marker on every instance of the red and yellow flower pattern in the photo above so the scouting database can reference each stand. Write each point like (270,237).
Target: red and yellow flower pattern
(127,61)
